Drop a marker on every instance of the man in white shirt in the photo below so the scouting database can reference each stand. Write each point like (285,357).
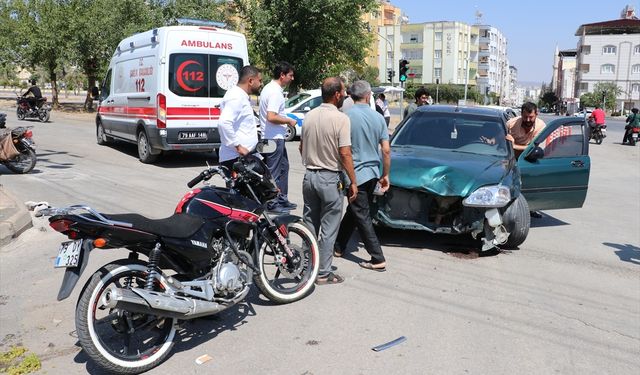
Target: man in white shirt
(273,122)
(237,125)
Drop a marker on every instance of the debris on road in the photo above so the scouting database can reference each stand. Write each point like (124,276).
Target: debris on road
(203,359)
(389,344)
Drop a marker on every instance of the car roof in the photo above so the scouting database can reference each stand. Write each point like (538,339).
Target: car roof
(481,111)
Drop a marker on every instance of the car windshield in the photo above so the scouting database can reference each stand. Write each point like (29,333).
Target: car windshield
(296,99)
(453,131)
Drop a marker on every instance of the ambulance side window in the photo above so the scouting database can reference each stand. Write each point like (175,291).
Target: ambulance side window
(188,74)
(224,74)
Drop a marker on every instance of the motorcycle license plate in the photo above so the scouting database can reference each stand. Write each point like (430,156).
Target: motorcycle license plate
(68,254)
(192,135)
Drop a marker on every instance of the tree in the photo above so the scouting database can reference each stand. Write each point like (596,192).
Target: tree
(319,37)
(608,90)
(549,99)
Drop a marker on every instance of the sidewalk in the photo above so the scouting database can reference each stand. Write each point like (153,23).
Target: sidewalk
(14,217)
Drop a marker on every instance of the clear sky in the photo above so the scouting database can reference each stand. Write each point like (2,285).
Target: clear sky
(533,28)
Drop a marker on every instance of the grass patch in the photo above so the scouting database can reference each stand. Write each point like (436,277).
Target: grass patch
(15,362)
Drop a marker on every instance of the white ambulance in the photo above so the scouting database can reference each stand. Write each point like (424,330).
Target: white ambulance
(164,86)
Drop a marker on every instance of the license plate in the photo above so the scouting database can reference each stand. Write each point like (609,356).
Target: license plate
(192,135)
(69,254)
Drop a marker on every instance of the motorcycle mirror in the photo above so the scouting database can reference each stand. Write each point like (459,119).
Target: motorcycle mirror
(266,146)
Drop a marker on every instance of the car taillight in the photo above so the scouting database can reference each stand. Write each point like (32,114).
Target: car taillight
(161,103)
(61,225)
(28,134)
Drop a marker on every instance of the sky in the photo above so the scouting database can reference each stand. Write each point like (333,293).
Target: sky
(533,28)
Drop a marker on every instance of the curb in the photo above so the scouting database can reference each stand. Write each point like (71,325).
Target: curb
(14,217)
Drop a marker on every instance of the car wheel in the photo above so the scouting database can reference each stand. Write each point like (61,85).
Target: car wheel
(101,137)
(144,149)
(290,134)
(517,221)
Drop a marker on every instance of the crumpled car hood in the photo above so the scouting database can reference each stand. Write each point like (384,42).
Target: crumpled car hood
(445,172)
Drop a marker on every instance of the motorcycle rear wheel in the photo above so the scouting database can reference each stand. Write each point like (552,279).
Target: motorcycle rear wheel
(21,114)
(108,340)
(43,115)
(286,283)
(22,163)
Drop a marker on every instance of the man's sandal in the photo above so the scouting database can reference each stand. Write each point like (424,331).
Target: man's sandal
(331,278)
(372,267)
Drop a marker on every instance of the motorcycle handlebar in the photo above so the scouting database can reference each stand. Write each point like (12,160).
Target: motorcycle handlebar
(207,174)
(196,180)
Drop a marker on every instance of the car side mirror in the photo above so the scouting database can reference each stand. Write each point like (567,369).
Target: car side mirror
(95,93)
(535,154)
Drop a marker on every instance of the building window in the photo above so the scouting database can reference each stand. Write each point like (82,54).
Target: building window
(437,54)
(635,87)
(438,36)
(585,50)
(584,86)
(635,69)
(437,72)
(607,69)
(636,50)
(609,50)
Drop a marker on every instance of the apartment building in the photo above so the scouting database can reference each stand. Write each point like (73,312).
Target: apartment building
(563,83)
(380,53)
(493,65)
(609,51)
(440,51)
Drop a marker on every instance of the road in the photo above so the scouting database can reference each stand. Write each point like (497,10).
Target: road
(568,301)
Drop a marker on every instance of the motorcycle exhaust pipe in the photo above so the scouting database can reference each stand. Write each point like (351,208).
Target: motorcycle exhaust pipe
(162,304)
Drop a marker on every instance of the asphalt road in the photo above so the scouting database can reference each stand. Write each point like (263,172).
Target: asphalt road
(567,302)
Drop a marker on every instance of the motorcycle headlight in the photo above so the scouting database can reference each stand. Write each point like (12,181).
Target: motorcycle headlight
(489,196)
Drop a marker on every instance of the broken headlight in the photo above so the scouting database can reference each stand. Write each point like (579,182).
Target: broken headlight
(489,196)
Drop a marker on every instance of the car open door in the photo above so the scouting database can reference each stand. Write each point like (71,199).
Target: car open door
(555,166)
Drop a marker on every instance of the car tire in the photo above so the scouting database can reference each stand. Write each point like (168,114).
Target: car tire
(290,133)
(517,220)
(101,137)
(144,149)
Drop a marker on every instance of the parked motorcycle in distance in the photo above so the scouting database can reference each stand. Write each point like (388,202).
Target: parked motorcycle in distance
(201,260)
(17,149)
(42,111)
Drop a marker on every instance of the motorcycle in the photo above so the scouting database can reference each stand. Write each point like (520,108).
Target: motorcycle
(201,260)
(18,151)
(597,132)
(633,137)
(42,110)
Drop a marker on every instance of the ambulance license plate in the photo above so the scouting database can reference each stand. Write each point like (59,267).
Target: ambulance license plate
(192,135)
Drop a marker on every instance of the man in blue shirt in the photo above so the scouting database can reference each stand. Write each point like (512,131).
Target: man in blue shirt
(368,134)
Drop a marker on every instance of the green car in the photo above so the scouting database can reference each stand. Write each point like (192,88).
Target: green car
(452,171)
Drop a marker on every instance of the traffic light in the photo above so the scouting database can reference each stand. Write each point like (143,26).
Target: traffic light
(403,70)
(390,75)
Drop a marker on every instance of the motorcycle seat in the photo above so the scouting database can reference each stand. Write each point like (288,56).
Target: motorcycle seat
(176,226)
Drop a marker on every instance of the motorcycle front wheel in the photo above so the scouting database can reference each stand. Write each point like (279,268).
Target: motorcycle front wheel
(119,341)
(22,163)
(282,280)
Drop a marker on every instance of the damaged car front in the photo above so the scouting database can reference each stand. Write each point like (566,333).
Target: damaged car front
(453,172)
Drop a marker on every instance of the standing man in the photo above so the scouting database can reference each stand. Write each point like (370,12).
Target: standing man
(237,126)
(522,130)
(422,98)
(273,122)
(325,147)
(368,132)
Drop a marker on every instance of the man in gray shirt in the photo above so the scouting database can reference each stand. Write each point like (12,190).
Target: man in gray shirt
(368,133)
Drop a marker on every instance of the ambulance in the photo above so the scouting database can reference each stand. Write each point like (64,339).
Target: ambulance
(163,88)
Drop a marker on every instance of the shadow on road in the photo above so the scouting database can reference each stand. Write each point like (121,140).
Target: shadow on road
(171,159)
(626,253)
(198,331)
(546,221)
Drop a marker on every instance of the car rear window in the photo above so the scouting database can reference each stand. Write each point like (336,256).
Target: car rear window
(202,75)
(453,131)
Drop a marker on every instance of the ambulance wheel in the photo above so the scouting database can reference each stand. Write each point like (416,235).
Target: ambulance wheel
(145,153)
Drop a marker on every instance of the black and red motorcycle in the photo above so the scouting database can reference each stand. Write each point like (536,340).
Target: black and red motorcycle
(200,261)
(17,149)
(40,110)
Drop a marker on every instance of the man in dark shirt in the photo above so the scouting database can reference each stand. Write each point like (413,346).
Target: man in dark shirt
(35,91)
